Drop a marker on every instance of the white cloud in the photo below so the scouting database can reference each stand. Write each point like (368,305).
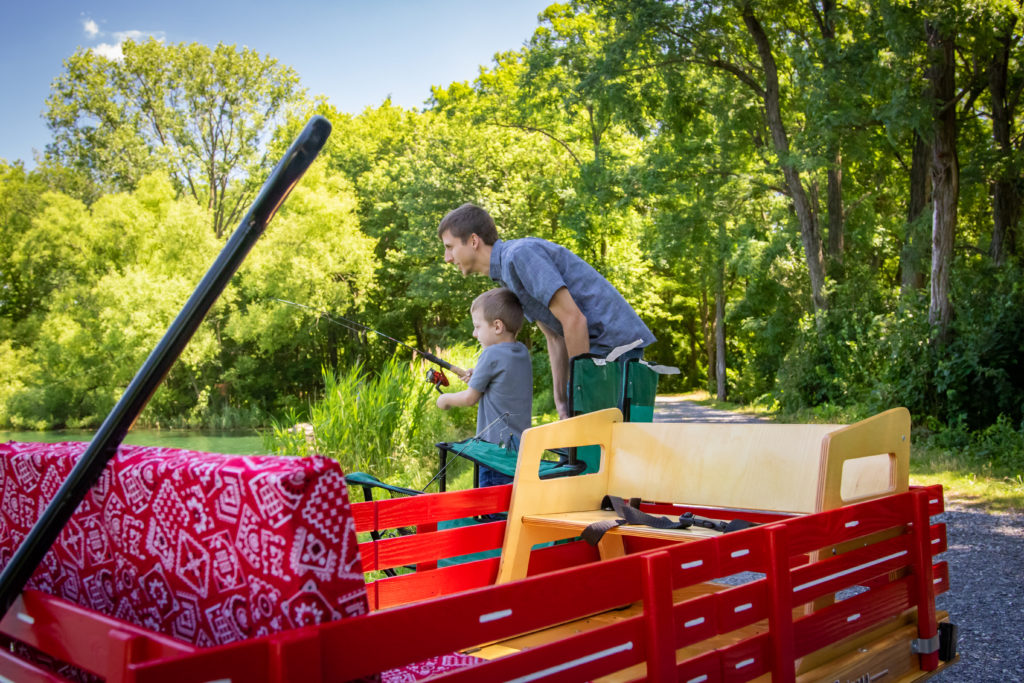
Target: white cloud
(92,29)
(113,50)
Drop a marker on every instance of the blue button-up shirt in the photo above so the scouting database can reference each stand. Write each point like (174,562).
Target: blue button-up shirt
(534,269)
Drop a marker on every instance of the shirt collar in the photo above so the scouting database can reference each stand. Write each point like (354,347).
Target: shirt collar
(496,254)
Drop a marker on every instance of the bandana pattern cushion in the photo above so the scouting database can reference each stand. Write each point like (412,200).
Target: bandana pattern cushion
(207,548)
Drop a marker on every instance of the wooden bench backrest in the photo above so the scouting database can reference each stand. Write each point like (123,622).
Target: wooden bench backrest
(774,467)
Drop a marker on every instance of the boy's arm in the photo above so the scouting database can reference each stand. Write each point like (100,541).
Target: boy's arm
(458,399)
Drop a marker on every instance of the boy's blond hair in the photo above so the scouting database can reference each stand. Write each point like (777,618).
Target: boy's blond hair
(500,304)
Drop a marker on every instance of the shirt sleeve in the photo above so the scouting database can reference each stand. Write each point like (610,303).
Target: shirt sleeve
(537,273)
(484,372)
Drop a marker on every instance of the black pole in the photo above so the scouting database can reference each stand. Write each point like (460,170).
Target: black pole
(105,442)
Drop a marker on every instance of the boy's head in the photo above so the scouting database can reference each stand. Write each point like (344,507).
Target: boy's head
(497,316)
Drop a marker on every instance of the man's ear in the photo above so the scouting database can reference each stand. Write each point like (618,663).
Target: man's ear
(474,240)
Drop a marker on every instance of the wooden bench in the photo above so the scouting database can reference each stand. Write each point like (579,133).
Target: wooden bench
(741,468)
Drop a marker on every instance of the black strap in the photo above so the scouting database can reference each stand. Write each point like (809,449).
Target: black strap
(630,513)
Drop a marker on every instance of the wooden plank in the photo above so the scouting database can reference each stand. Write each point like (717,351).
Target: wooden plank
(446,543)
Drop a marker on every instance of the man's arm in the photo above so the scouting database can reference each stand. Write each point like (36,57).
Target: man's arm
(561,348)
(559,361)
(574,323)
(459,399)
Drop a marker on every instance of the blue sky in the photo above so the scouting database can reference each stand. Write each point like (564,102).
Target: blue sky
(356,53)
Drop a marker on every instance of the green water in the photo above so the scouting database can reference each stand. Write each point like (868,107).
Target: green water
(230,443)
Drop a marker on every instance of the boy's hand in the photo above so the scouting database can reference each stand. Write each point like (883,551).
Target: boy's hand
(466,375)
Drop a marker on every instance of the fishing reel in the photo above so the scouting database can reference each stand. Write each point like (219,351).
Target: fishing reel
(437,378)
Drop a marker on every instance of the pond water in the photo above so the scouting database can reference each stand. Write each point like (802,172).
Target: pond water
(230,443)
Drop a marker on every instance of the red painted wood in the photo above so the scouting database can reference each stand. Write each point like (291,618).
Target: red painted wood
(424,547)
(865,566)
(365,516)
(780,613)
(658,628)
(582,657)
(923,578)
(835,622)
(705,667)
(746,659)
(14,669)
(696,619)
(406,588)
(561,556)
(743,605)
(438,507)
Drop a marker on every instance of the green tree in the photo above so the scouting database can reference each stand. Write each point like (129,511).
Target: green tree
(203,115)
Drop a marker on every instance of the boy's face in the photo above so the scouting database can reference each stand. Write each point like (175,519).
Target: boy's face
(487,333)
(462,254)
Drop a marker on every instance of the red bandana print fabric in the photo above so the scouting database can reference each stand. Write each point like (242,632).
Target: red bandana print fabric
(207,548)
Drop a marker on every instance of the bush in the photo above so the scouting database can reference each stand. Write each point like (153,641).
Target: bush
(385,424)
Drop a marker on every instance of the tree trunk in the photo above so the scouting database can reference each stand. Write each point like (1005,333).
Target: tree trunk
(810,233)
(945,175)
(835,210)
(914,251)
(1006,199)
(720,314)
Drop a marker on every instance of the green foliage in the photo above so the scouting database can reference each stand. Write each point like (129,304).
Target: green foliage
(197,113)
(385,423)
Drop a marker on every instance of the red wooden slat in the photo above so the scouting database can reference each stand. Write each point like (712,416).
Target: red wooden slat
(694,563)
(365,516)
(75,634)
(742,551)
(419,586)
(14,669)
(247,660)
(561,556)
(924,588)
(854,568)
(940,577)
(703,668)
(439,507)
(937,534)
(658,630)
(581,657)
(696,619)
(404,550)
(483,615)
(746,659)
(780,613)
(742,605)
(835,622)
(813,532)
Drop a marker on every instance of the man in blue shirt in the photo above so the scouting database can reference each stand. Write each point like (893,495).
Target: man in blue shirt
(576,308)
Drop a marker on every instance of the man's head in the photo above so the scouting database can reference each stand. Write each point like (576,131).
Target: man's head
(497,316)
(468,233)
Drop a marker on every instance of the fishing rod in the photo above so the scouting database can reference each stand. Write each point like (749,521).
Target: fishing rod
(436,378)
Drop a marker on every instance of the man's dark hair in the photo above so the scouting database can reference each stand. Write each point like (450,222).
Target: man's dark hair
(500,304)
(467,220)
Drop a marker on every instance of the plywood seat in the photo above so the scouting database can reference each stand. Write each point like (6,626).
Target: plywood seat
(762,467)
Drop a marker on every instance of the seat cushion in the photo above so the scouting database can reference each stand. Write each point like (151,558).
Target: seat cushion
(204,547)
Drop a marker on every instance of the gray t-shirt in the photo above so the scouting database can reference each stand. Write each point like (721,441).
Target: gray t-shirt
(534,269)
(504,375)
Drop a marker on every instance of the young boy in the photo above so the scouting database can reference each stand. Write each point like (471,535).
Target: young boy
(502,381)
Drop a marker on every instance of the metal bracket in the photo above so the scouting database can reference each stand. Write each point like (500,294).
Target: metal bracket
(925,646)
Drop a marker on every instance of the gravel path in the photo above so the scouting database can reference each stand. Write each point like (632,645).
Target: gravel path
(986,573)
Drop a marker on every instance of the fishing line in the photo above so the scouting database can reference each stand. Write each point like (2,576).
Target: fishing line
(357,327)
